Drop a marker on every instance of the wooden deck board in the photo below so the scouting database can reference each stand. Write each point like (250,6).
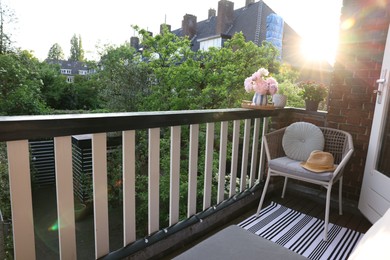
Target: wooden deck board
(310,205)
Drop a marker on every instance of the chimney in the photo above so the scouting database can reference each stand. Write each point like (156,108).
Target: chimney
(134,42)
(225,16)
(189,25)
(212,13)
(248,2)
(162,28)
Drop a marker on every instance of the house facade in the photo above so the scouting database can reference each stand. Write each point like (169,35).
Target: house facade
(71,68)
(256,20)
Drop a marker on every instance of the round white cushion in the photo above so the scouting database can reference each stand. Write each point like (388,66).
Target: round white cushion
(300,139)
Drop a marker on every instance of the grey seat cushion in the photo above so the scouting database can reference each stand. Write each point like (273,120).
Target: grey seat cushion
(293,167)
(234,242)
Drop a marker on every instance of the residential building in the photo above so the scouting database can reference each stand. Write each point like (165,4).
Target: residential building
(71,68)
(258,22)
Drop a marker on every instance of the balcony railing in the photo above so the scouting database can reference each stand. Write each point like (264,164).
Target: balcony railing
(239,129)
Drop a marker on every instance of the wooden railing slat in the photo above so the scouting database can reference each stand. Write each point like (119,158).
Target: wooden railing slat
(129,207)
(245,151)
(222,162)
(208,166)
(65,199)
(255,145)
(21,199)
(154,180)
(174,175)
(100,197)
(235,148)
(262,150)
(193,169)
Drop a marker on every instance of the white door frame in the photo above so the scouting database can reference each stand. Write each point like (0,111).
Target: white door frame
(375,194)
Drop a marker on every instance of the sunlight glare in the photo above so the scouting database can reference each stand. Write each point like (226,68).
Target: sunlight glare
(318,49)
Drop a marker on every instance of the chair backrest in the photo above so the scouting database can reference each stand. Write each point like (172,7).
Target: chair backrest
(337,142)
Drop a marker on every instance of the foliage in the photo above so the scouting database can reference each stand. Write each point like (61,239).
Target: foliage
(292,92)
(287,78)
(311,90)
(20,85)
(123,81)
(76,49)
(205,79)
(5,206)
(55,52)
(7,17)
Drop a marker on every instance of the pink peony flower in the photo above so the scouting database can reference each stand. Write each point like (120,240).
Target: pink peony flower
(259,84)
(248,84)
(272,85)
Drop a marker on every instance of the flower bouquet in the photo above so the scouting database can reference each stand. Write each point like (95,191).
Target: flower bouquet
(263,86)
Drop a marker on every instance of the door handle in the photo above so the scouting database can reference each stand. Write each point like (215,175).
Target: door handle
(381,82)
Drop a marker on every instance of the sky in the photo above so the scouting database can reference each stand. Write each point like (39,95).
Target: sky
(42,23)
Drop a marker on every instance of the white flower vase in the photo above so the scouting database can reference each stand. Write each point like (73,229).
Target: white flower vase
(259,100)
(279,100)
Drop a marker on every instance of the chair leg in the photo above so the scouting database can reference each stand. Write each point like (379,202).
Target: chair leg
(327,212)
(284,187)
(341,196)
(263,194)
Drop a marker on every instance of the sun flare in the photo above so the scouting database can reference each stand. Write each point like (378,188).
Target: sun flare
(318,50)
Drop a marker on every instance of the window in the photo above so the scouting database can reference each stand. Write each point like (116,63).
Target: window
(66,71)
(70,79)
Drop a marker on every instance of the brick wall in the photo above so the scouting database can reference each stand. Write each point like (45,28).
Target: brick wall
(364,26)
(363,32)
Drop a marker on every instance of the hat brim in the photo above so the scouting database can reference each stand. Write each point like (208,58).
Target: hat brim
(316,169)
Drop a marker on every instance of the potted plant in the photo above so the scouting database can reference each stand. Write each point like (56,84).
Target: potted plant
(313,93)
(280,99)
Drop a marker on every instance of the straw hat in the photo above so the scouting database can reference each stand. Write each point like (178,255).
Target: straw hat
(319,161)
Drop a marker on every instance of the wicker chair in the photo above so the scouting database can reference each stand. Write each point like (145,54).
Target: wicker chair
(338,143)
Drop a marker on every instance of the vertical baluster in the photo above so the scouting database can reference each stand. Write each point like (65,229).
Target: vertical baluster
(100,197)
(21,199)
(65,200)
(129,224)
(262,151)
(222,162)
(174,175)
(193,169)
(208,166)
(154,179)
(245,151)
(255,145)
(235,147)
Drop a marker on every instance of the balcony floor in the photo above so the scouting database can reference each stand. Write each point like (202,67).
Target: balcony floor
(305,203)
(47,235)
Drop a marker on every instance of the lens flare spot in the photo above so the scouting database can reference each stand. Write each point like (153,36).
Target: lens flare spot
(54,227)
(348,24)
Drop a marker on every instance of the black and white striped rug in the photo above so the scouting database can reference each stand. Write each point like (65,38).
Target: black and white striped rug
(301,233)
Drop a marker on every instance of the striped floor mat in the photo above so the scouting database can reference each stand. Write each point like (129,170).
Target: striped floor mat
(302,233)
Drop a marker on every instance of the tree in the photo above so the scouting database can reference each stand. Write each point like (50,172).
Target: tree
(6,17)
(204,79)
(55,52)
(20,84)
(124,80)
(76,49)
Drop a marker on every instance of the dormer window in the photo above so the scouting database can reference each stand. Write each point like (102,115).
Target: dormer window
(66,71)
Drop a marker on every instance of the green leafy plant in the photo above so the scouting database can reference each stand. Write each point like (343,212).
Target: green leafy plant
(311,90)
